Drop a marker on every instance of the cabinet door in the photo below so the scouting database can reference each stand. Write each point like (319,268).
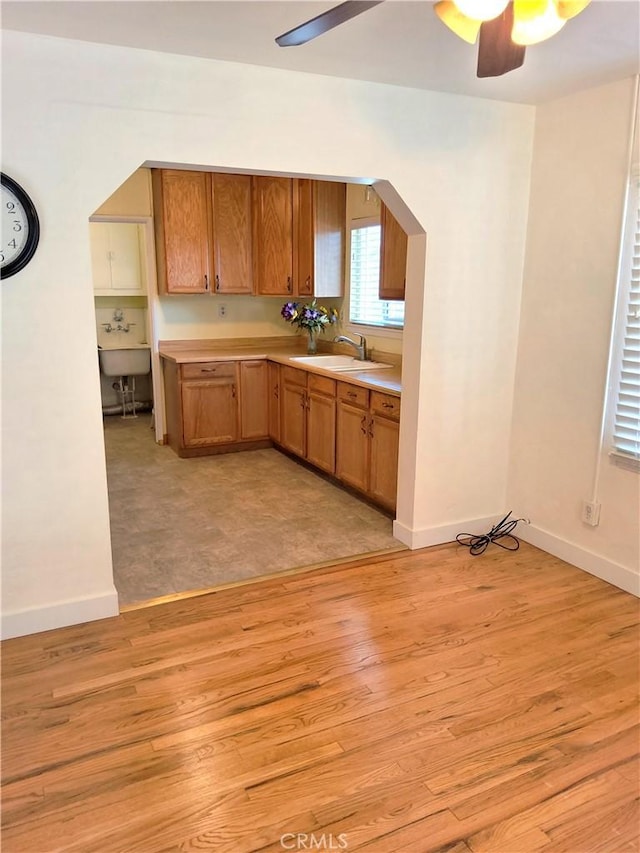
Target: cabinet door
(294,415)
(305,235)
(321,432)
(393,257)
(384,460)
(320,229)
(100,262)
(274,401)
(352,446)
(181,219)
(210,412)
(254,411)
(329,226)
(273,231)
(232,240)
(116,255)
(125,254)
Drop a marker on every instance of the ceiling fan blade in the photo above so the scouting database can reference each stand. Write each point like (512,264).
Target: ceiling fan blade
(497,54)
(324,22)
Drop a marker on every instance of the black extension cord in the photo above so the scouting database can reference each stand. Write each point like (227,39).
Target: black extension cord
(478,544)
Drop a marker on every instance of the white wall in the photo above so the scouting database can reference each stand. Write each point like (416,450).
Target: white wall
(79,118)
(579,179)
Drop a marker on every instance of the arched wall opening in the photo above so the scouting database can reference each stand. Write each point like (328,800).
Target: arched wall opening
(461,166)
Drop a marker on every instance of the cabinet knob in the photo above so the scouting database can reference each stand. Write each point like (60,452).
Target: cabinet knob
(217,283)
(233,391)
(208,369)
(363,425)
(276,391)
(289,284)
(371,428)
(206,282)
(388,406)
(351,394)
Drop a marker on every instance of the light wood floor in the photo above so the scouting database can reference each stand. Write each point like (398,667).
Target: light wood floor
(424,702)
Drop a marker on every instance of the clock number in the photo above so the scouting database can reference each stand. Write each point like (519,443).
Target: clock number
(20,220)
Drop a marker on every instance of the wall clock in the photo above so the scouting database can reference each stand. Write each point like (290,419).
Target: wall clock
(19,227)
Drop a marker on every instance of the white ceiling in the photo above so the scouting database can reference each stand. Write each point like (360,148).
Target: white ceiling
(398,42)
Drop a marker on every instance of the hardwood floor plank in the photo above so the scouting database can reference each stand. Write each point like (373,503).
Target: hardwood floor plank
(422,702)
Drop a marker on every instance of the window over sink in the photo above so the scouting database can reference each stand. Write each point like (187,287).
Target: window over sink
(365,306)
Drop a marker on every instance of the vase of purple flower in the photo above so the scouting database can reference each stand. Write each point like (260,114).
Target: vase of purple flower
(310,318)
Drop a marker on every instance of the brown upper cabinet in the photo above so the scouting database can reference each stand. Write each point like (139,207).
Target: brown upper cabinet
(230,233)
(273,235)
(203,231)
(181,220)
(299,236)
(321,216)
(232,238)
(393,256)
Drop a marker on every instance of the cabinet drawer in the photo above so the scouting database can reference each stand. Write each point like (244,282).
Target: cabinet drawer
(385,404)
(209,370)
(353,394)
(294,376)
(322,385)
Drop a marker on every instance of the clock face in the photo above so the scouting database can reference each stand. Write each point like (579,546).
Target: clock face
(19,228)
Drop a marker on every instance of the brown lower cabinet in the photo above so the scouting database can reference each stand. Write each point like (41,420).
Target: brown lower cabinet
(344,430)
(368,430)
(308,417)
(216,406)
(274,401)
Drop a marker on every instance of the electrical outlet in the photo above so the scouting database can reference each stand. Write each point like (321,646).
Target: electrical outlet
(591,513)
(222,310)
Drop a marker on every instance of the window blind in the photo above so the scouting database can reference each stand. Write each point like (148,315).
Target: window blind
(365,306)
(626,431)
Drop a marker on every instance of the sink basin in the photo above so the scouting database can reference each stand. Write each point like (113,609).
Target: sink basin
(125,361)
(328,361)
(362,365)
(339,363)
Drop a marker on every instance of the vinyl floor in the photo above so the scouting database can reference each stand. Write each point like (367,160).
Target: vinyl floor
(187,524)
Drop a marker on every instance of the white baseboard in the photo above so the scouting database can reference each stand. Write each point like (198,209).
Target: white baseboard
(602,568)
(439,535)
(19,623)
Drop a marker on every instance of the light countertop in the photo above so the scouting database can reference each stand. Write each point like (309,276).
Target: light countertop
(386,379)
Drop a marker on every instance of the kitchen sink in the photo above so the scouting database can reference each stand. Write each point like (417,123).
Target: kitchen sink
(339,363)
(125,361)
(328,361)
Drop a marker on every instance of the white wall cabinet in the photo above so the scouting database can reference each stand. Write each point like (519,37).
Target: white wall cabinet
(117,259)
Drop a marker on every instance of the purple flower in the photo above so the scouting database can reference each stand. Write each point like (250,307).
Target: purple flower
(289,311)
(312,317)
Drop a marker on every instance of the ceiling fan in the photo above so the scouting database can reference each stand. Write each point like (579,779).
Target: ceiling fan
(505,27)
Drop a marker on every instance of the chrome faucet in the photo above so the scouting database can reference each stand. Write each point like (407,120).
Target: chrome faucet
(360,348)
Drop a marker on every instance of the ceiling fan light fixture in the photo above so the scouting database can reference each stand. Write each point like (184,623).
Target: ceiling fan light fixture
(532,30)
(482,10)
(570,8)
(461,25)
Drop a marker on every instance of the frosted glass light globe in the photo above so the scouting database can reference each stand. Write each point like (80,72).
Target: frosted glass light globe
(482,10)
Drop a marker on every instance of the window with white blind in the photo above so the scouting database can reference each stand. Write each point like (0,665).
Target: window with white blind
(365,307)
(626,426)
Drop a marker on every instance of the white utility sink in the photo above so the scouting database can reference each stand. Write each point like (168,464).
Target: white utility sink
(125,361)
(339,363)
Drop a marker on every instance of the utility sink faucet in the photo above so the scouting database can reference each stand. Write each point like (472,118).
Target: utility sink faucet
(360,348)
